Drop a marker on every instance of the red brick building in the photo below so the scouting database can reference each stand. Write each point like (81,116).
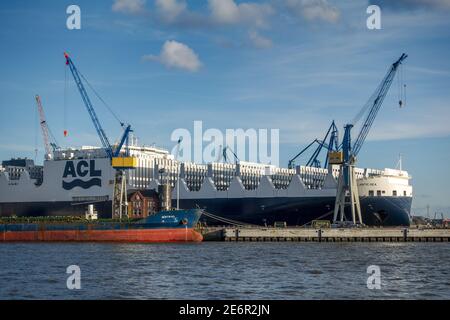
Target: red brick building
(143,203)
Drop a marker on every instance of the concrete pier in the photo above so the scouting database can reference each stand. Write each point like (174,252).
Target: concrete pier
(325,235)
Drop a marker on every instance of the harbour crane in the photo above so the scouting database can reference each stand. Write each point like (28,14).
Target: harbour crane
(46,133)
(118,162)
(346,158)
(225,154)
(332,145)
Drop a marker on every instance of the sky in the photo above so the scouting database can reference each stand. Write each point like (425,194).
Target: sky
(292,65)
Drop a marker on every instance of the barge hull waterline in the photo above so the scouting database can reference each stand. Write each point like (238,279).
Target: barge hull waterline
(143,236)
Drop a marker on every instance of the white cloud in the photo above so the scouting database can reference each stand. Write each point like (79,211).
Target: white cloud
(129,6)
(170,10)
(313,10)
(251,15)
(176,55)
(224,11)
(433,122)
(255,14)
(228,12)
(258,40)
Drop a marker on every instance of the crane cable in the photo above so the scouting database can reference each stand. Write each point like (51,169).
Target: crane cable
(226,220)
(101,99)
(52,136)
(371,101)
(404,87)
(96,94)
(401,87)
(35,134)
(65,103)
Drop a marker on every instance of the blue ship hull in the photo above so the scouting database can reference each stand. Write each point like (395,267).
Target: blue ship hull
(164,226)
(377,211)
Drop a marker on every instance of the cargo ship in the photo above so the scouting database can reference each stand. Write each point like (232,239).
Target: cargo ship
(254,193)
(164,226)
(241,192)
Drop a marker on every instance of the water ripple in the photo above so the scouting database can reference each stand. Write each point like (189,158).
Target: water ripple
(226,271)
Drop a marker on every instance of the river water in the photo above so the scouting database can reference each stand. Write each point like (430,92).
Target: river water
(218,270)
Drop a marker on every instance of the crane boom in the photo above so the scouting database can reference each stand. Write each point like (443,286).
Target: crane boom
(119,163)
(379,95)
(87,102)
(332,145)
(224,154)
(347,187)
(44,128)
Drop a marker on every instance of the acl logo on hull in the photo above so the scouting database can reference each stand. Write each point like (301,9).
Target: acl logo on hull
(81,169)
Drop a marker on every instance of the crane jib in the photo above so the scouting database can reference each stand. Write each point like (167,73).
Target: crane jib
(125,162)
(382,91)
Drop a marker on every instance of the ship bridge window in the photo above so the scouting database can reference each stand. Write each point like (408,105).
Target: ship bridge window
(394,193)
(378,192)
(371,193)
(404,193)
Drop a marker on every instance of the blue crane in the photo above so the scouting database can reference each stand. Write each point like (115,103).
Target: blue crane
(373,105)
(225,154)
(112,152)
(120,163)
(332,145)
(347,160)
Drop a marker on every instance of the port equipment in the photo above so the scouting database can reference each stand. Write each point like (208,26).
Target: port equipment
(120,162)
(225,154)
(347,186)
(318,224)
(331,146)
(50,146)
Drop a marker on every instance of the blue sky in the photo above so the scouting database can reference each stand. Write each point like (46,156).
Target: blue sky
(292,65)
